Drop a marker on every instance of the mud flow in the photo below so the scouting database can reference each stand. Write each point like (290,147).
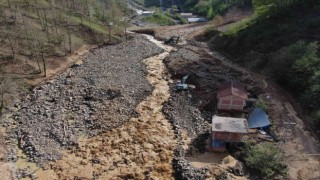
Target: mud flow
(141,148)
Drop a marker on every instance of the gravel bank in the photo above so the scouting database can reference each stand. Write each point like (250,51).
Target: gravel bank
(91,98)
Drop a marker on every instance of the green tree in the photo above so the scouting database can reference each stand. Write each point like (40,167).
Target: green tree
(309,61)
(265,159)
(294,64)
(210,13)
(312,95)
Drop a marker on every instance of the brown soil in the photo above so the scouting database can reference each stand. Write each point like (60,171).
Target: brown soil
(300,147)
(56,66)
(5,167)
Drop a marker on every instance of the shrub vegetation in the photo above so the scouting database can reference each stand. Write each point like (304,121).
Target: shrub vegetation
(265,159)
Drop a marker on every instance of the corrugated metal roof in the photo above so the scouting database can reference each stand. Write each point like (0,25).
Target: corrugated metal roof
(148,12)
(229,124)
(232,88)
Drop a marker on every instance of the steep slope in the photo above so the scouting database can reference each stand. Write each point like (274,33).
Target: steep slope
(40,39)
(281,43)
(38,36)
(32,30)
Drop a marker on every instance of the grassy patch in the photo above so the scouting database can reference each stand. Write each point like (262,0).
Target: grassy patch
(260,13)
(93,25)
(160,19)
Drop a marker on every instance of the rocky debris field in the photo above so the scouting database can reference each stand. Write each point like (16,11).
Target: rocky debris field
(89,99)
(142,148)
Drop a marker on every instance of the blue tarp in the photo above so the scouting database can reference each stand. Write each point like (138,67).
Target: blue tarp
(218,144)
(258,119)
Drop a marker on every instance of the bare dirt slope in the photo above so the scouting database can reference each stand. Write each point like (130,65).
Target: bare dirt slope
(5,167)
(89,99)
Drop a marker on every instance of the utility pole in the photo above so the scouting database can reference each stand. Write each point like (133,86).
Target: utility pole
(161,4)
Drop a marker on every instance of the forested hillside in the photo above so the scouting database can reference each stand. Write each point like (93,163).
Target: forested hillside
(33,30)
(281,41)
(36,36)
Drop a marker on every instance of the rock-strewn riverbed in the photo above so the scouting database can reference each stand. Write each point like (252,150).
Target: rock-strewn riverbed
(92,98)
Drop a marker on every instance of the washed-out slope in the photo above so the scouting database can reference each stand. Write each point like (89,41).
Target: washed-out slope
(89,99)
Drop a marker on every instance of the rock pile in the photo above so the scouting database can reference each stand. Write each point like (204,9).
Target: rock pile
(90,99)
(184,171)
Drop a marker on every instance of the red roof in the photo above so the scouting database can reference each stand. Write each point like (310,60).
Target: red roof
(232,88)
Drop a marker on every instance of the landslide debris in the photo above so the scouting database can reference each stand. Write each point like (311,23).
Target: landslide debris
(90,99)
(142,148)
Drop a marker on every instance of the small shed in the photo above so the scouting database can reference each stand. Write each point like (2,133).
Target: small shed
(148,13)
(258,119)
(227,129)
(232,96)
(196,20)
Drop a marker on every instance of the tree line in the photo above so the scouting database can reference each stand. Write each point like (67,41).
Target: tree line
(58,21)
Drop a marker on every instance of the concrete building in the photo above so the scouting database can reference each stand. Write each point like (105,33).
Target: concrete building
(227,129)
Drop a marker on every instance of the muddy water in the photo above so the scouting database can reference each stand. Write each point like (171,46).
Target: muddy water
(141,148)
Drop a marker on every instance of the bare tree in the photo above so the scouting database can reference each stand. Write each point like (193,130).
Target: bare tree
(9,4)
(10,39)
(55,20)
(5,85)
(42,49)
(27,34)
(89,15)
(46,24)
(41,19)
(36,49)
(69,34)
